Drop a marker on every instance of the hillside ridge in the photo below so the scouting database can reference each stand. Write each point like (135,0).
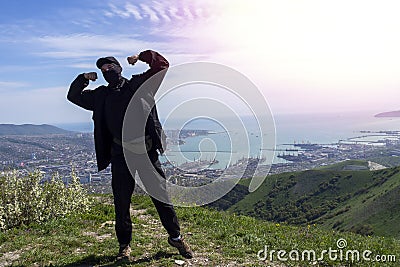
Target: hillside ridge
(30,129)
(361,201)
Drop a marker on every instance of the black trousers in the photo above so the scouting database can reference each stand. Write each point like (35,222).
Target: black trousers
(123,184)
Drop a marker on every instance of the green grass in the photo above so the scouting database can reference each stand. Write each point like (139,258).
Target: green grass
(377,207)
(345,164)
(217,238)
(386,159)
(363,201)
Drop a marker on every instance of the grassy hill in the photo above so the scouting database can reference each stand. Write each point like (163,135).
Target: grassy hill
(347,165)
(364,202)
(217,239)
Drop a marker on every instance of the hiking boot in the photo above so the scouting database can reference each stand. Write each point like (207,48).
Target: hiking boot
(182,246)
(124,252)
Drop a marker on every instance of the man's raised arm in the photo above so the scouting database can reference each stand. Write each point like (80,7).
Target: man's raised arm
(80,97)
(155,61)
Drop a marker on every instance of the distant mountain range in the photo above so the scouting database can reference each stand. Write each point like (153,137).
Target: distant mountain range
(388,114)
(30,129)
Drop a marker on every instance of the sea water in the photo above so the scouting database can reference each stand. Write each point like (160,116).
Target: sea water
(226,145)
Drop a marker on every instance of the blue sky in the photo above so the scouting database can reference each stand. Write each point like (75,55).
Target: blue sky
(311,56)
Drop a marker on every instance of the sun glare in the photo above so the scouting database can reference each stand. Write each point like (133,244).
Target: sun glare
(318,41)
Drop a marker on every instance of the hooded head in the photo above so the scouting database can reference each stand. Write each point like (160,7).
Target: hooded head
(111,70)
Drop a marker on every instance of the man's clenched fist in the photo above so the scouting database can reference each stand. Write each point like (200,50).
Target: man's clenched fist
(133,59)
(90,76)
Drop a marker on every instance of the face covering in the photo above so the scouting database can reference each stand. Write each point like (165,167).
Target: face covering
(113,75)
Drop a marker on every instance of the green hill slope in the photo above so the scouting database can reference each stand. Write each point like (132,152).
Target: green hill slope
(365,202)
(347,165)
(217,239)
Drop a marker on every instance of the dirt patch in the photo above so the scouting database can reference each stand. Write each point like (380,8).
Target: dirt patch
(97,236)
(137,212)
(373,166)
(107,224)
(9,257)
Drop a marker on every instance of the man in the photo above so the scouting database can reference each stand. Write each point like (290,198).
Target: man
(109,104)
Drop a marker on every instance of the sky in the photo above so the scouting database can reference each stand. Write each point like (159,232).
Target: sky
(304,56)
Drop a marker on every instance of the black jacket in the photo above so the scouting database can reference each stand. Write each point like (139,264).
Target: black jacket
(94,100)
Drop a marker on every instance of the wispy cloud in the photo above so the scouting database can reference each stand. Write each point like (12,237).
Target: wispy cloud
(86,47)
(126,12)
(150,13)
(132,9)
(160,11)
(176,28)
(12,85)
(81,65)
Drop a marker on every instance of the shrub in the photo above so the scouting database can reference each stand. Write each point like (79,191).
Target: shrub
(363,229)
(24,200)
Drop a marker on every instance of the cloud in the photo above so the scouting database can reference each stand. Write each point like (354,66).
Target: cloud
(123,13)
(88,45)
(179,28)
(79,50)
(159,11)
(81,65)
(149,12)
(43,105)
(173,11)
(12,85)
(132,9)
(162,11)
